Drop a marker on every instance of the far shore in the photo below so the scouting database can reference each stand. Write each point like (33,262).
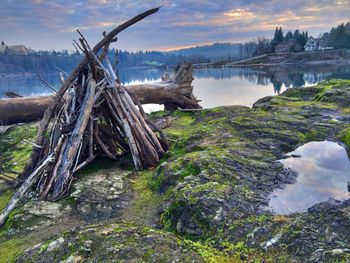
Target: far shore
(16,75)
(313,58)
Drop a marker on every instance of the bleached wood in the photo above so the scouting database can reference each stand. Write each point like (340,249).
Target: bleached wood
(23,189)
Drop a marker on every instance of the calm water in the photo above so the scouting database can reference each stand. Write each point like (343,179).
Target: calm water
(215,87)
(323,172)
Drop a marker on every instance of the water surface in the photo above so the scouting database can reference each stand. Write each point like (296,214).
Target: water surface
(323,172)
(214,86)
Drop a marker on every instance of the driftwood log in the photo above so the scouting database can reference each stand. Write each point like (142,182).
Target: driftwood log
(91,114)
(174,92)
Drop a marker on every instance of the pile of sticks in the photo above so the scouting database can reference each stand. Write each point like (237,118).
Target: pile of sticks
(92,114)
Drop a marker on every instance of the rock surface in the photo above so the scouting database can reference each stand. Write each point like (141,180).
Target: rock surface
(112,243)
(206,200)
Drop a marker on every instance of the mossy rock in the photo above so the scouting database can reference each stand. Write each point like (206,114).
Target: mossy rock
(207,192)
(110,242)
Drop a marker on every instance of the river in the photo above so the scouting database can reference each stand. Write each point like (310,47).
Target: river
(213,86)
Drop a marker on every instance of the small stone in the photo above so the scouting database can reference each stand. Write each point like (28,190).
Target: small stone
(219,214)
(339,251)
(55,244)
(317,255)
(72,259)
(272,241)
(84,208)
(257,232)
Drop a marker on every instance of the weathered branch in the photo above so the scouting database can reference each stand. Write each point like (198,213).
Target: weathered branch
(23,189)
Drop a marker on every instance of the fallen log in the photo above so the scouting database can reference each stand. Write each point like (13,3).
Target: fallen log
(174,92)
(11,94)
(23,109)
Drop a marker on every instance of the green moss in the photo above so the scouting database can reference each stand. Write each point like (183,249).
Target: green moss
(170,215)
(146,200)
(345,137)
(5,198)
(11,223)
(204,112)
(70,200)
(190,169)
(44,246)
(209,254)
(180,169)
(157,114)
(10,249)
(328,85)
(148,255)
(156,182)
(14,151)
(228,252)
(184,119)
(311,135)
(260,220)
(321,94)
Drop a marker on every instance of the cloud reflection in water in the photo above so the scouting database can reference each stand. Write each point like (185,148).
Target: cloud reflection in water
(323,172)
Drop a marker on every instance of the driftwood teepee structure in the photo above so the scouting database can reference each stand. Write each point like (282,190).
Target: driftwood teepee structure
(91,114)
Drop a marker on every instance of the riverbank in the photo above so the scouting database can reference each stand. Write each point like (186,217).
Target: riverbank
(327,57)
(205,202)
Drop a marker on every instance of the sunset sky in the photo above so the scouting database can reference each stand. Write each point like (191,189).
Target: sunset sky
(180,23)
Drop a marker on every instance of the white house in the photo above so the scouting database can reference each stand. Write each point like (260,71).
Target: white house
(314,44)
(3,47)
(311,45)
(13,50)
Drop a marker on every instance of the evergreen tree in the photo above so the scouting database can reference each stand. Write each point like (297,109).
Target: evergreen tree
(301,40)
(289,35)
(296,33)
(278,35)
(340,36)
(277,39)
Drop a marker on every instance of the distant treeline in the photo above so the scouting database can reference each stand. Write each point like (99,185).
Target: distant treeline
(220,51)
(201,54)
(46,62)
(152,58)
(43,63)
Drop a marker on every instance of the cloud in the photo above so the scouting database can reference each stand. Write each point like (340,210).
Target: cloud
(178,23)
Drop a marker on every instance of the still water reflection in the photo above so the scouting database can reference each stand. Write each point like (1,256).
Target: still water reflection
(215,86)
(323,172)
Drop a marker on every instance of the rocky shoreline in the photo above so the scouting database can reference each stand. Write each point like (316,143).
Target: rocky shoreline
(204,202)
(310,58)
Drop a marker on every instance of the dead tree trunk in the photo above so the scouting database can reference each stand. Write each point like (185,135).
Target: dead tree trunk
(175,91)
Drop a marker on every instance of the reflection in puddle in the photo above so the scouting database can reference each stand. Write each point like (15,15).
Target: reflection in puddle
(323,172)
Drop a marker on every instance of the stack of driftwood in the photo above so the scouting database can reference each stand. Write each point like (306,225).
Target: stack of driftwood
(91,114)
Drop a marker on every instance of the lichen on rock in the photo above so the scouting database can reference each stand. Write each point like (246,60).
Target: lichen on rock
(206,199)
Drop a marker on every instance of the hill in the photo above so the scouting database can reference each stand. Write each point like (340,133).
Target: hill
(219,51)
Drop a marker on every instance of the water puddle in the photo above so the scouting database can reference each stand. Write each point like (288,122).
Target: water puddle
(323,172)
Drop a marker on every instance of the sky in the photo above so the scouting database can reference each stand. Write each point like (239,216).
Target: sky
(48,25)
